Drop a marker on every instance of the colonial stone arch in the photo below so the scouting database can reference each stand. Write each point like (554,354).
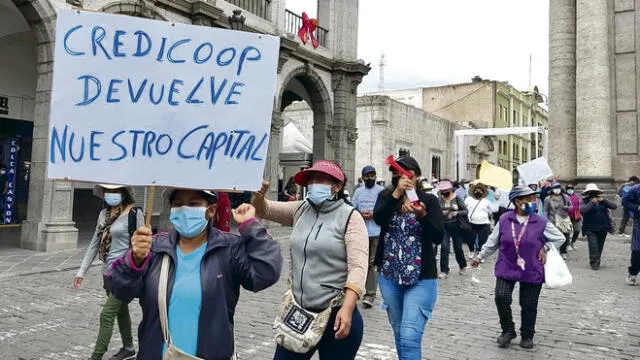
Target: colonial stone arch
(138,8)
(49,224)
(320,102)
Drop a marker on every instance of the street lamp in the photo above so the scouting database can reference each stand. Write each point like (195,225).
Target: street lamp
(237,20)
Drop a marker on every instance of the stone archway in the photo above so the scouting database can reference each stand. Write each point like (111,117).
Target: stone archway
(320,102)
(49,224)
(138,8)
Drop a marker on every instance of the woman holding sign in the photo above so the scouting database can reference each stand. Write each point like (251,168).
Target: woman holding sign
(329,261)
(408,276)
(116,223)
(188,280)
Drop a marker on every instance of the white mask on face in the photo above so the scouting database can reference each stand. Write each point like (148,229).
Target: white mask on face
(557,191)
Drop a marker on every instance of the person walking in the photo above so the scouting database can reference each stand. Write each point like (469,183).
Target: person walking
(596,222)
(405,257)
(364,200)
(574,215)
(521,239)
(110,241)
(556,210)
(329,260)
(480,211)
(291,190)
(631,203)
(626,215)
(188,280)
(453,209)
(462,190)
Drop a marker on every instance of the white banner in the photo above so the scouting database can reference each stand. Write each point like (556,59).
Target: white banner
(534,171)
(145,102)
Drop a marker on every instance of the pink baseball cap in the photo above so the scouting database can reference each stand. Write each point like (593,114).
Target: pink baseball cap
(322,166)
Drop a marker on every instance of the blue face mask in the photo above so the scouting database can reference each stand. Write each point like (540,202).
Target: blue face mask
(318,193)
(529,208)
(113,199)
(189,221)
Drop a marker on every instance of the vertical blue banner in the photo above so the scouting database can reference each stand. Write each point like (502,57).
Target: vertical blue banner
(12,170)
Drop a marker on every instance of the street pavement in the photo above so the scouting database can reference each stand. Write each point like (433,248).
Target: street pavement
(598,317)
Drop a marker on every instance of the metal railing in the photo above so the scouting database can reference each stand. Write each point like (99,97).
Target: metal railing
(256,7)
(293,23)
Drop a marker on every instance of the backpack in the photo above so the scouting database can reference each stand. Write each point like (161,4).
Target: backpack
(625,190)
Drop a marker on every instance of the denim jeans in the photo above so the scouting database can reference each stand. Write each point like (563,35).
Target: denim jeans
(329,348)
(408,308)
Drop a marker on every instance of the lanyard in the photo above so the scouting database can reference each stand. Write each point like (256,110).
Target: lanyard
(517,240)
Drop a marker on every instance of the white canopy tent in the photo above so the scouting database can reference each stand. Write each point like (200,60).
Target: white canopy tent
(461,150)
(294,142)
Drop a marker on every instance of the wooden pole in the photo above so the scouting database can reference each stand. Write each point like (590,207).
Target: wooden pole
(151,194)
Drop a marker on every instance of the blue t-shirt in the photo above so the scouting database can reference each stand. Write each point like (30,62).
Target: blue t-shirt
(364,199)
(186,300)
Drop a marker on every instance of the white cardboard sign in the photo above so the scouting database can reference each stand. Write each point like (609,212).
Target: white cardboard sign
(535,170)
(145,102)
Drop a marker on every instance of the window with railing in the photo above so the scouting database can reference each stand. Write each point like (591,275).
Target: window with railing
(256,7)
(293,23)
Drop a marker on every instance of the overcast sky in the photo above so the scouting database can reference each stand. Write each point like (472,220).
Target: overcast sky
(437,42)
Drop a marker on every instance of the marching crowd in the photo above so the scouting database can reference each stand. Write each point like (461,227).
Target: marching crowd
(342,251)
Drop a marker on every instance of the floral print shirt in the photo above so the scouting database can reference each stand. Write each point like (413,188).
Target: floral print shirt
(402,260)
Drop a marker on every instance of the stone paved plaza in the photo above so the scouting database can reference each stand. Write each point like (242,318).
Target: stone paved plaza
(42,317)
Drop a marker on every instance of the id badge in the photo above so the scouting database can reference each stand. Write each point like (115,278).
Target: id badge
(521,262)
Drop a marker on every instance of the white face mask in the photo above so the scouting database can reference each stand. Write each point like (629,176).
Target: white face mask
(2,172)
(557,191)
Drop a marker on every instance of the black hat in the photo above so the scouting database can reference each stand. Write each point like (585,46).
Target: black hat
(408,163)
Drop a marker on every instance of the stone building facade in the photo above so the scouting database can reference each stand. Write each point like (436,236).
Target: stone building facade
(326,77)
(386,126)
(486,104)
(593,89)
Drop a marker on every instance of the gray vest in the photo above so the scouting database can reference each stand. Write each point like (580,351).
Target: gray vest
(318,253)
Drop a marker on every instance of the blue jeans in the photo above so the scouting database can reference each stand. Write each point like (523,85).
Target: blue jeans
(409,308)
(329,348)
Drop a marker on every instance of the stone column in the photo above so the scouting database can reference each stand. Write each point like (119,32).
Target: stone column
(49,225)
(593,92)
(272,165)
(562,89)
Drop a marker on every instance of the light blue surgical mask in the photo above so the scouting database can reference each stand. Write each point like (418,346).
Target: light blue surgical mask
(318,193)
(189,221)
(113,199)
(570,191)
(529,208)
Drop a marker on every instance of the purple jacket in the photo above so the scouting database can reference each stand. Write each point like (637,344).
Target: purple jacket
(532,241)
(252,260)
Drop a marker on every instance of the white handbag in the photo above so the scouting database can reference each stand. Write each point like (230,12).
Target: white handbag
(556,272)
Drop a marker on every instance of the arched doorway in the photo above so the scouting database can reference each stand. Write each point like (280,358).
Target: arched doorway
(305,107)
(18,81)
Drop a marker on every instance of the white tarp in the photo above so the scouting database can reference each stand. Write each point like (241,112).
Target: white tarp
(145,102)
(294,142)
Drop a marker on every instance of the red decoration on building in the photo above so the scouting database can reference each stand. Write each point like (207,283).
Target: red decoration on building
(309,26)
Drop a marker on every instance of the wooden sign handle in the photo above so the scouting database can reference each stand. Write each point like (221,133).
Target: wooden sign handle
(151,194)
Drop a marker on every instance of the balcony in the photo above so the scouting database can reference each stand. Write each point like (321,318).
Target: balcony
(257,7)
(293,23)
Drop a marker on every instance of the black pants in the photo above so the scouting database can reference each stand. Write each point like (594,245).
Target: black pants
(596,244)
(624,221)
(482,231)
(634,269)
(529,294)
(563,247)
(452,233)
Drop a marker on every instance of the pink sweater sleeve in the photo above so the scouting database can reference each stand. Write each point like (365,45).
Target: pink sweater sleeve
(357,243)
(281,212)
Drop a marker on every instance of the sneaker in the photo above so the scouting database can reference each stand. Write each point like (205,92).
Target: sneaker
(632,280)
(443,275)
(367,302)
(504,340)
(124,354)
(572,248)
(526,343)
(463,272)
(564,256)
(595,267)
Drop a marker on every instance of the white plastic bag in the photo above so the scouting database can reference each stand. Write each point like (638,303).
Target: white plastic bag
(556,272)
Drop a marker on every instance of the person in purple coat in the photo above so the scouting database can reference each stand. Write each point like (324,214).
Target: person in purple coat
(521,239)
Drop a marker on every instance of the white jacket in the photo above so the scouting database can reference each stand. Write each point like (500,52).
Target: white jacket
(480,211)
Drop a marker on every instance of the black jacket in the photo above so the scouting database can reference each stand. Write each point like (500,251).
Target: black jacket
(432,228)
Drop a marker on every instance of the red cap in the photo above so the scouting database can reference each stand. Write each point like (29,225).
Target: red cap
(322,166)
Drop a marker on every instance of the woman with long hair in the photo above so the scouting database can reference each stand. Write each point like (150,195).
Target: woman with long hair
(110,241)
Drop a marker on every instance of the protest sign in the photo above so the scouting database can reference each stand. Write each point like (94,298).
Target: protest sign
(535,170)
(145,102)
(495,176)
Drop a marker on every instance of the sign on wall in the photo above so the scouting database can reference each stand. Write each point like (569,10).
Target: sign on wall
(9,210)
(144,102)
